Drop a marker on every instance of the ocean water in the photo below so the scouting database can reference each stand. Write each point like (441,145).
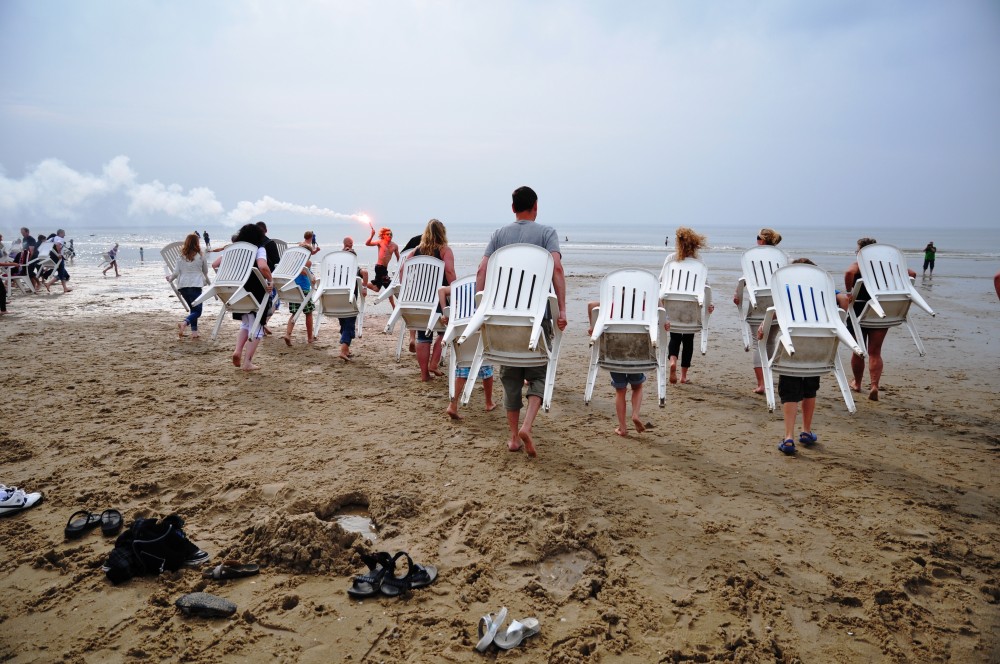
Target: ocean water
(967,258)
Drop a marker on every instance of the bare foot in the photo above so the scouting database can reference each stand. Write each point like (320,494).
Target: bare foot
(413,347)
(195,335)
(453,414)
(237,360)
(759,389)
(490,406)
(873,395)
(250,366)
(345,358)
(854,386)
(686,381)
(180,329)
(288,340)
(267,332)
(639,426)
(673,374)
(309,340)
(514,445)
(623,434)
(436,372)
(529,445)
(67,290)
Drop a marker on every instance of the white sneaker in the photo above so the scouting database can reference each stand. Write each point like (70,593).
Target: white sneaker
(14,500)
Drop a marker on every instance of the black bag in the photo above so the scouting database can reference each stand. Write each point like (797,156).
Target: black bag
(149,546)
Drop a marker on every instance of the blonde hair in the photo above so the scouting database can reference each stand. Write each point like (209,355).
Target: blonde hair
(769,236)
(688,243)
(384,232)
(434,237)
(191,248)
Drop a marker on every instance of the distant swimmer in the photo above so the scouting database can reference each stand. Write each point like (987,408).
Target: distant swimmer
(567,238)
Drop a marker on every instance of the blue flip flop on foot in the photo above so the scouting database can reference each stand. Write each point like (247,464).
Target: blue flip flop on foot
(808,438)
(787,446)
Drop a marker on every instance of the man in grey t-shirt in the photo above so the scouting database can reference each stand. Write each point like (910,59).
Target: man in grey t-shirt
(525,230)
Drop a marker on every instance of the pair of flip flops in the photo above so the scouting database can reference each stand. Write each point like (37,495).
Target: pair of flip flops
(516,632)
(231,569)
(82,522)
(381,576)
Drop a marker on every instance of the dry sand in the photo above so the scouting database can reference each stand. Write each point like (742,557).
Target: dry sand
(696,541)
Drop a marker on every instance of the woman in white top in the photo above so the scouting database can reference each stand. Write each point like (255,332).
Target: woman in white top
(191,273)
(253,234)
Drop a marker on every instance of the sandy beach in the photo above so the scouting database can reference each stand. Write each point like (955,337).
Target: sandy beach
(695,541)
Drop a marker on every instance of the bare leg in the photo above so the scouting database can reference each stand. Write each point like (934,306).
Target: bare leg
(423,359)
(251,349)
(514,445)
(684,375)
(808,408)
(673,368)
(622,428)
(309,328)
(435,362)
(636,406)
(858,369)
(241,341)
(413,341)
(534,404)
(488,393)
(759,373)
(288,331)
(453,406)
(875,339)
(791,411)
(345,352)
(180,328)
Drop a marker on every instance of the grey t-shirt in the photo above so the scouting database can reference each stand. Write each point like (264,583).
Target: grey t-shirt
(524,232)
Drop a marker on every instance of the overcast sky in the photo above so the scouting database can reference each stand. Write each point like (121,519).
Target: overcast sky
(791,113)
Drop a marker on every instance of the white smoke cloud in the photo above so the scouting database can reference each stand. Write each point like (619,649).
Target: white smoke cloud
(57,191)
(245,211)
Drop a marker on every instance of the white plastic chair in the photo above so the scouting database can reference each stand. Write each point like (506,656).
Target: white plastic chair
(284,274)
(686,298)
(890,290)
(23,281)
(171,254)
(43,260)
(753,291)
(341,292)
(417,297)
(459,312)
(282,248)
(239,265)
(804,329)
(626,328)
(509,317)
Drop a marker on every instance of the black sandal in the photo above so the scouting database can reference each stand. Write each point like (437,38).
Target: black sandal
(80,523)
(369,584)
(417,576)
(111,522)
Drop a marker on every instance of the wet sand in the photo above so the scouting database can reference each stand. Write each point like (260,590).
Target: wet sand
(695,541)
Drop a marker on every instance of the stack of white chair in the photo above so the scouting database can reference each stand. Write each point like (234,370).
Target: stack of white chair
(804,329)
(284,274)
(753,291)
(511,315)
(686,298)
(886,278)
(459,312)
(239,264)
(23,281)
(416,297)
(171,254)
(341,292)
(626,329)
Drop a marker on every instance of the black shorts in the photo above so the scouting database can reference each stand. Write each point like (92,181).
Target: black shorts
(793,389)
(381,279)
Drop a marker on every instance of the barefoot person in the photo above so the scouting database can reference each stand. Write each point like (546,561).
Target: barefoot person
(191,273)
(254,235)
(524,229)
(61,275)
(386,250)
(112,260)
(873,336)
(462,373)
(434,243)
(621,381)
(682,344)
(348,325)
(305,282)
(766,237)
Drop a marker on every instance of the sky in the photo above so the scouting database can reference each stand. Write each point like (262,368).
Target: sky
(780,113)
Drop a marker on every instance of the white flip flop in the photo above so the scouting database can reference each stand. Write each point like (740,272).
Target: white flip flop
(517,631)
(488,626)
